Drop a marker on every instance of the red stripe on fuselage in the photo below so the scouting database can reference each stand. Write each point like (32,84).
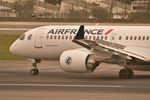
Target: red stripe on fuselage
(108,32)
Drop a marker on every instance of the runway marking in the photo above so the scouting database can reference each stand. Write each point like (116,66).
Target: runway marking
(63,85)
(14,29)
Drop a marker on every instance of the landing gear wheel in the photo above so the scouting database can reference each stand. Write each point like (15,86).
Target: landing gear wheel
(34,71)
(126,73)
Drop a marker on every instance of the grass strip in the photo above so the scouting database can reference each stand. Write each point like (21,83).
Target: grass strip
(5,43)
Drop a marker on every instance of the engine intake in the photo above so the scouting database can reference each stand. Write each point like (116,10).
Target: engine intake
(77,61)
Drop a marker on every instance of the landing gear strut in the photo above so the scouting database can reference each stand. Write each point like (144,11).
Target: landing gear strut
(126,73)
(35,70)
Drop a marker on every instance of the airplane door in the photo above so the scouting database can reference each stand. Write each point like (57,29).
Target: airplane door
(38,38)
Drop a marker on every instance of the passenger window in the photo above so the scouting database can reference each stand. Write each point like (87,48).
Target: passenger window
(147,38)
(101,37)
(62,37)
(105,37)
(135,38)
(70,37)
(86,37)
(90,37)
(131,38)
(55,37)
(143,37)
(97,37)
(66,37)
(22,37)
(127,37)
(139,37)
(51,37)
(58,37)
(120,37)
(47,37)
(93,37)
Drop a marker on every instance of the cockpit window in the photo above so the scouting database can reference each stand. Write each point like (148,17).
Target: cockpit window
(30,37)
(22,37)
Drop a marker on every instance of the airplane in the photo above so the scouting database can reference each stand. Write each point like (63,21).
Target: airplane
(81,49)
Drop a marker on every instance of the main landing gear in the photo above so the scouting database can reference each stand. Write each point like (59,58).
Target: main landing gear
(35,70)
(126,73)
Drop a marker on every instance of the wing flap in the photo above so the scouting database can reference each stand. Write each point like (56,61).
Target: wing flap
(121,50)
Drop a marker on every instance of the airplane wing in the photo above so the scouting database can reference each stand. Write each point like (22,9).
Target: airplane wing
(126,52)
(79,39)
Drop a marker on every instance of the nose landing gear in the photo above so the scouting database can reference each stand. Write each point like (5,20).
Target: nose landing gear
(35,70)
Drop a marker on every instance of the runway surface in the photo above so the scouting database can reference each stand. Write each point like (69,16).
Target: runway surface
(53,84)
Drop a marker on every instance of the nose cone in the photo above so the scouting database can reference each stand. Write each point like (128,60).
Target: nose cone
(13,48)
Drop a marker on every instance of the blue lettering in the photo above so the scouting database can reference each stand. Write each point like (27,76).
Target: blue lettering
(74,31)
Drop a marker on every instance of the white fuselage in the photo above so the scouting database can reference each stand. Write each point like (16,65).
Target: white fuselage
(49,42)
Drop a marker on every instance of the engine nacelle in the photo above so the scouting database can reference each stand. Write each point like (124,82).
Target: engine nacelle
(77,61)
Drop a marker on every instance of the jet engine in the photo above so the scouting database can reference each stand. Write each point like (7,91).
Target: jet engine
(78,61)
